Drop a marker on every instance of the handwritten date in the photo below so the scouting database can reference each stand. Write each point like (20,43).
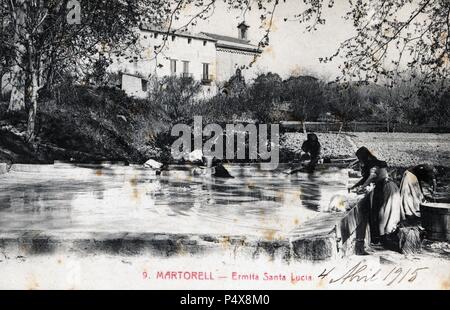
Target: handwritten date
(361,274)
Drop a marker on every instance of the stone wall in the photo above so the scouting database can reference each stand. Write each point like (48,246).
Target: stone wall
(195,50)
(351,228)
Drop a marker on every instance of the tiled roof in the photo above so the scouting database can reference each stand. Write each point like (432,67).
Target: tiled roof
(225,41)
(219,37)
(233,43)
(180,33)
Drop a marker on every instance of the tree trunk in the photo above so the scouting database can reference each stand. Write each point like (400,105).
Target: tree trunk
(33,82)
(17,100)
(32,109)
(1,85)
(304,126)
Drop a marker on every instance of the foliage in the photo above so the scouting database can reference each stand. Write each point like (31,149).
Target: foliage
(344,102)
(265,91)
(39,47)
(102,121)
(306,94)
(174,99)
(45,46)
(392,38)
(437,106)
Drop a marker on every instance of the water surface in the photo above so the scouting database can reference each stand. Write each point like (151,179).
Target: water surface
(255,202)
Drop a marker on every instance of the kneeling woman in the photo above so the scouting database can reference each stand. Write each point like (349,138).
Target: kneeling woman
(386,204)
(311,147)
(412,188)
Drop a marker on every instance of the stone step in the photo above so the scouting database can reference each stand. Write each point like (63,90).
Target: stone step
(25,243)
(62,166)
(69,168)
(31,168)
(33,177)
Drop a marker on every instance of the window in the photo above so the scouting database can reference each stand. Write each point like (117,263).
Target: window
(173,67)
(204,43)
(239,74)
(185,68)
(243,33)
(189,41)
(206,72)
(144,84)
(206,78)
(173,38)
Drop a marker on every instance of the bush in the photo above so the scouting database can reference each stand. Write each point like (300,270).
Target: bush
(265,91)
(173,99)
(307,96)
(102,121)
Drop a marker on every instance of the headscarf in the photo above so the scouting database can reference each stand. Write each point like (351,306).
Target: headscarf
(365,155)
(312,137)
(369,161)
(312,145)
(424,172)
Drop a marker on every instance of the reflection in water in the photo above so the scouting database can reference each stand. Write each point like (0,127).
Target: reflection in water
(254,202)
(310,192)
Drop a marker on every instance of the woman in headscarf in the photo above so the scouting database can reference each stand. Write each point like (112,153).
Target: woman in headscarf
(311,147)
(412,189)
(381,205)
(366,162)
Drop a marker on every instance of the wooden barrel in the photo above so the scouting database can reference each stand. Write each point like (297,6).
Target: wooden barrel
(436,220)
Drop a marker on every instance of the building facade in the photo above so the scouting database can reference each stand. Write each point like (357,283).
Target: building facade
(209,58)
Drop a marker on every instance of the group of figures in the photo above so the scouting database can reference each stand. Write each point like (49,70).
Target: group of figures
(386,208)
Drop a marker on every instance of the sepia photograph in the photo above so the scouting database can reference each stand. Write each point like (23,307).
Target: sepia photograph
(224,145)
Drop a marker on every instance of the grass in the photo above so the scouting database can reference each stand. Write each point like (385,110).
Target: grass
(407,149)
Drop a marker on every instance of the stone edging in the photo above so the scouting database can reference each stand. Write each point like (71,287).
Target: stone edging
(24,243)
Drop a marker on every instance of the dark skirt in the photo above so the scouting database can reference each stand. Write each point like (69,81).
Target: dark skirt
(381,209)
(386,207)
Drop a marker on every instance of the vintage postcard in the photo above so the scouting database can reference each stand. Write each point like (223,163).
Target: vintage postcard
(221,144)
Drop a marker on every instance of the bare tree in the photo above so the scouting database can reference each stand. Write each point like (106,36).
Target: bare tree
(392,37)
(436,105)
(388,103)
(5,52)
(344,102)
(45,46)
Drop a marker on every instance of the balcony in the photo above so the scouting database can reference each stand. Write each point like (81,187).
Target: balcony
(186,75)
(207,80)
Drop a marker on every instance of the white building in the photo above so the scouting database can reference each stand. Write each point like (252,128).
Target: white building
(207,57)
